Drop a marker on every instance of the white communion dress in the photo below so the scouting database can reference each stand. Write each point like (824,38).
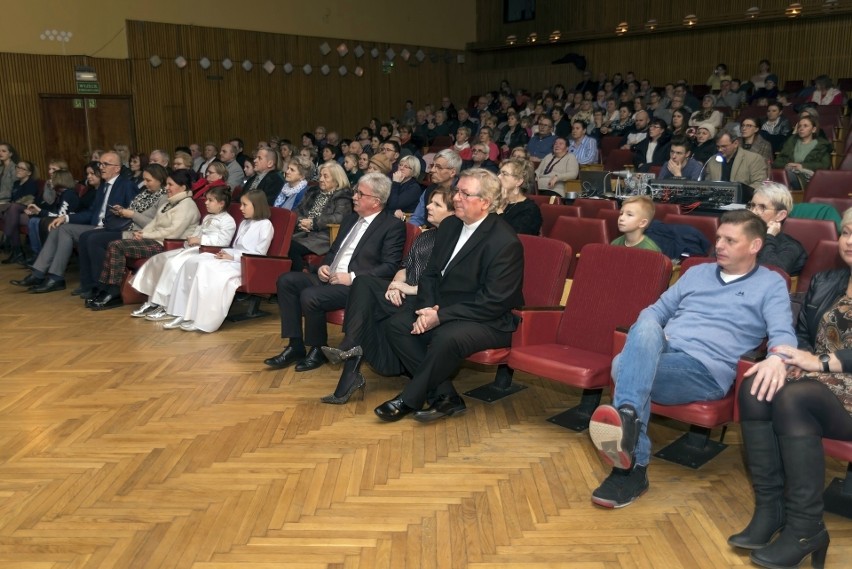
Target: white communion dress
(157,276)
(205,286)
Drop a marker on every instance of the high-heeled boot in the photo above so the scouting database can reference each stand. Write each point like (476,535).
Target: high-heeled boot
(804,533)
(15,256)
(350,381)
(763,458)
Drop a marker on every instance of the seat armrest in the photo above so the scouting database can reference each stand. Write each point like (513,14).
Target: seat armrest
(333,230)
(538,326)
(172,244)
(210,249)
(260,273)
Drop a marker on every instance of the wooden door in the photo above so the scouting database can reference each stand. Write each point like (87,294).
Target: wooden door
(76,125)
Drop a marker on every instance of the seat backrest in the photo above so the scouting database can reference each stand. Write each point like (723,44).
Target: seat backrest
(612,285)
(779,175)
(830,184)
(551,212)
(846,163)
(579,232)
(411,233)
(589,207)
(611,218)
(661,210)
(706,224)
(618,159)
(284,222)
(809,232)
(544,200)
(608,144)
(546,264)
(839,204)
(824,257)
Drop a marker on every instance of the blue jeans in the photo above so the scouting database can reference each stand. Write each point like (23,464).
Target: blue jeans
(647,369)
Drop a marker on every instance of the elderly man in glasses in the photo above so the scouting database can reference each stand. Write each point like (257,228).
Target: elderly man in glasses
(370,242)
(48,273)
(442,172)
(464,301)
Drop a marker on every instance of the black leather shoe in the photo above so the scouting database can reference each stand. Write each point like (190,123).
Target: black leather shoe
(49,285)
(80,291)
(93,297)
(444,406)
(29,280)
(393,410)
(107,301)
(88,295)
(314,359)
(288,357)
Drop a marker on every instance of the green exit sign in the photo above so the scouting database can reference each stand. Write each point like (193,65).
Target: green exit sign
(88,87)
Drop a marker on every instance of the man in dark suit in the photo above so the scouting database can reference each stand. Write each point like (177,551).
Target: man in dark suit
(49,268)
(464,301)
(266,176)
(370,242)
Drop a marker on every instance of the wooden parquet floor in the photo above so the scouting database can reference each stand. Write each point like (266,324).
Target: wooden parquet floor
(126,446)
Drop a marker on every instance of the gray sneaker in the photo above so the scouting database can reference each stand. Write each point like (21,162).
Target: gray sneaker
(621,487)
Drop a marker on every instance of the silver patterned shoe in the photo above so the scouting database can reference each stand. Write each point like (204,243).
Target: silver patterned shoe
(336,356)
(174,324)
(159,314)
(144,310)
(188,326)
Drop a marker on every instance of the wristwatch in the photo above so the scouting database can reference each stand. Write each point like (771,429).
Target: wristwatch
(823,359)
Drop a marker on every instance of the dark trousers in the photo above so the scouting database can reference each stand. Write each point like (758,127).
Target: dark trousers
(366,309)
(92,249)
(13,219)
(303,294)
(435,356)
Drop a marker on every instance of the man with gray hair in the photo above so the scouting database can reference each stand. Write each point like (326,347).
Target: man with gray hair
(161,157)
(444,169)
(464,301)
(228,156)
(370,242)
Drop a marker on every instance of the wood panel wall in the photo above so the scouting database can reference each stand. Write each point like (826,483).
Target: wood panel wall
(26,77)
(798,49)
(174,105)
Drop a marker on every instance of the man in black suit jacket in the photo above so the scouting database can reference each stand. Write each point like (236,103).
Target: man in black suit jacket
(65,231)
(464,301)
(266,176)
(370,242)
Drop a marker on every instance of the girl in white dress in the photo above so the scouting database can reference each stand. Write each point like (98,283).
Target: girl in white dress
(157,276)
(206,284)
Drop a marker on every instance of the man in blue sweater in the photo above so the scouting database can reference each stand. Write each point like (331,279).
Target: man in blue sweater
(685,348)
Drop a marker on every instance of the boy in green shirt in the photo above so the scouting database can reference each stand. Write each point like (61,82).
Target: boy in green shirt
(636,214)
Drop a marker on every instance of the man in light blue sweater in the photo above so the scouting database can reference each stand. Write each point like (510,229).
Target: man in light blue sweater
(685,348)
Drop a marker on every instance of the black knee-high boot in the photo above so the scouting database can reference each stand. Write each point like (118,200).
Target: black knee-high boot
(350,381)
(763,458)
(804,533)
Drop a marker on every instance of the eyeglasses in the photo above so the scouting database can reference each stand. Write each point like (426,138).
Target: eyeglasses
(507,173)
(389,149)
(479,150)
(744,125)
(106,164)
(465,195)
(759,207)
(436,166)
(360,194)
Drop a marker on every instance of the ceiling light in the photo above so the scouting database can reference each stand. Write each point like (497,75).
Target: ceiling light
(690,20)
(794,10)
(651,24)
(621,28)
(532,38)
(752,12)
(555,35)
(511,40)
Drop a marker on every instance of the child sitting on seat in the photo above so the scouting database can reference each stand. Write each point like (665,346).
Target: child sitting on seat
(636,214)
